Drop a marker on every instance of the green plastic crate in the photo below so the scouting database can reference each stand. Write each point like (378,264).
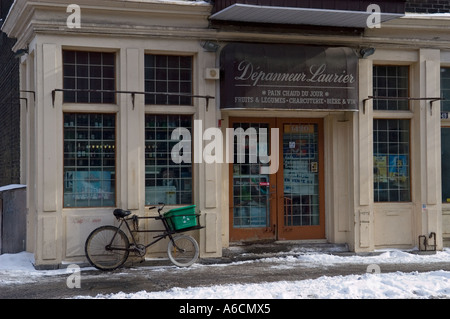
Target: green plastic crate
(181,218)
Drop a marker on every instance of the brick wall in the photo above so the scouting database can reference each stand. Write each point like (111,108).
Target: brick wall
(428,6)
(9,107)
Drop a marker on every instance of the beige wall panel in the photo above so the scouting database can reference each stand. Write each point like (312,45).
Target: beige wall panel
(364,229)
(134,129)
(343,174)
(393,227)
(211,232)
(49,238)
(433,134)
(49,129)
(78,228)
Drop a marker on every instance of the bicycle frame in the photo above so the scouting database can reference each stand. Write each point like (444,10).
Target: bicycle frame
(167,232)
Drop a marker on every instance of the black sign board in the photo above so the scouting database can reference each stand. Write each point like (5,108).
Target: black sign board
(279,76)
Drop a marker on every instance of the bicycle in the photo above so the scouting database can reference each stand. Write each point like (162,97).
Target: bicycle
(108,247)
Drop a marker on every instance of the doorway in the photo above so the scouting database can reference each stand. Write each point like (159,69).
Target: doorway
(286,205)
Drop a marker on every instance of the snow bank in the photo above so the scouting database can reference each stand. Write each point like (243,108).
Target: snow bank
(398,285)
(19,268)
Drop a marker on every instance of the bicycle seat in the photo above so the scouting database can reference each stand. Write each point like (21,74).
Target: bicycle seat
(120,213)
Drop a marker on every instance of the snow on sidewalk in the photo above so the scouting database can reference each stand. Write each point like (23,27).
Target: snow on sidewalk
(398,285)
(18,268)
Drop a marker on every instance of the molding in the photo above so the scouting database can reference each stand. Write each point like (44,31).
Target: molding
(189,20)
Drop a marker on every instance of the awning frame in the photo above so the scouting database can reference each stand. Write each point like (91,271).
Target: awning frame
(259,13)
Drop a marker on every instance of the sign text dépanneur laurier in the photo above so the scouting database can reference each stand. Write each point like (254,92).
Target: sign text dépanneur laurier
(289,77)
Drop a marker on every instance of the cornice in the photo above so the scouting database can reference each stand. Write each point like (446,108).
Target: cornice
(28,18)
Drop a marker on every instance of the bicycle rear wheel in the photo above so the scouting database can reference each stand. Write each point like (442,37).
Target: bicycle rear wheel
(183,250)
(106,248)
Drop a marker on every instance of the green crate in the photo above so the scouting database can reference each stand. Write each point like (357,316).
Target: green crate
(181,218)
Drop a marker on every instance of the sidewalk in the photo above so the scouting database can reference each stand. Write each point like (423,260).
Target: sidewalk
(276,262)
(254,251)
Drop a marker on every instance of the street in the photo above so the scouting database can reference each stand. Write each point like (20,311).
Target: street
(241,267)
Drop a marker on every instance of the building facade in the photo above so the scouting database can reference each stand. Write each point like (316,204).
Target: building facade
(299,121)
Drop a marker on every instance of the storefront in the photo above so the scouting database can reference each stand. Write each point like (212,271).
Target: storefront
(329,134)
(307,83)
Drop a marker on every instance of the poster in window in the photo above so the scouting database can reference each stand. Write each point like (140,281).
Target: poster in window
(92,185)
(380,168)
(398,168)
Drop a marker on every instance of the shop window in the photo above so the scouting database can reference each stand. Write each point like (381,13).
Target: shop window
(445,89)
(391,147)
(165,180)
(392,82)
(171,75)
(86,71)
(89,160)
(445,170)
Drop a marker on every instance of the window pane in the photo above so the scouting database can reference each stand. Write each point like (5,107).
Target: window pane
(391,161)
(89,160)
(445,170)
(168,177)
(86,71)
(445,89)
(393,82)
(171,75)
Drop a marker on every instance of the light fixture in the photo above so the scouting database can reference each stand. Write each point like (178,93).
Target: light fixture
(20,53)
(366,52)
(209,46)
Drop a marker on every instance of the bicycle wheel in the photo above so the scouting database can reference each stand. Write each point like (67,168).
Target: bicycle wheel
(103,252)
(183,251)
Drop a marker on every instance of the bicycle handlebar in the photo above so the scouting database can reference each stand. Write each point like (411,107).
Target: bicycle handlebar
(159,209)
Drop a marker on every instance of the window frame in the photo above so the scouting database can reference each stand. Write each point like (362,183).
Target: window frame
(447,89)
(408,88)
(113,101)
(76,113)
(192,166)
(394,114)
(444,125)
(387,154)
(168,94)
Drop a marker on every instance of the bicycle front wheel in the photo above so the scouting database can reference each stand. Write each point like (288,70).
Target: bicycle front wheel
(183,250)
(106,248)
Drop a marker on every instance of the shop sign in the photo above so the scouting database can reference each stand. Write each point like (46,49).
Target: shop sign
(289,77)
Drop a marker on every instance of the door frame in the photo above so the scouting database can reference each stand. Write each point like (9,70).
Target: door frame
(276,229)
(254,233)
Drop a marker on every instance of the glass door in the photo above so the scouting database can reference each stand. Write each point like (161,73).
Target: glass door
(301,215)
(252,194)
(288,204)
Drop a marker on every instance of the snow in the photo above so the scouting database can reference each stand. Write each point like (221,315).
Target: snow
(399,285)
(18,268)
(11,187)
(428,15)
